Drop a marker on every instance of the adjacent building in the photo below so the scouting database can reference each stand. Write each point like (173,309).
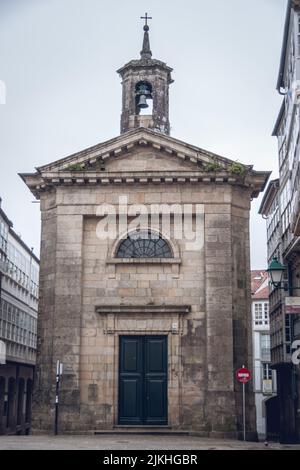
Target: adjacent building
(19,274)
(281,208)
(150,323)
(263,376)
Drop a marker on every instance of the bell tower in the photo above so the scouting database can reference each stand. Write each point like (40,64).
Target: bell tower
(145,82)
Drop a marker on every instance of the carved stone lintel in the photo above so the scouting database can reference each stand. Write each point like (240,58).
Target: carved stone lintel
(143,309)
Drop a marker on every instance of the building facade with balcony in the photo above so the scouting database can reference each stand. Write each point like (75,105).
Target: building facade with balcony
(280,207)
(264,378)
(19,274)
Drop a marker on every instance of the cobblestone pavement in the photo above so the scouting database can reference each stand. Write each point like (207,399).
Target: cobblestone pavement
(130,442)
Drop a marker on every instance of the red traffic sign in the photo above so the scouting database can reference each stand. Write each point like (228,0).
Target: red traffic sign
(243,375)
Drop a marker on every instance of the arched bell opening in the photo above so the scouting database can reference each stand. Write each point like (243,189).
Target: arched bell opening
(143,99)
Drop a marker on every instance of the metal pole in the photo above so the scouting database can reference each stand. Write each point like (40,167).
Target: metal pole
(56,399)
(244,412)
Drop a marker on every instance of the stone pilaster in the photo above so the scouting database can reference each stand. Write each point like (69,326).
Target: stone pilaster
(220,403)
(59,317)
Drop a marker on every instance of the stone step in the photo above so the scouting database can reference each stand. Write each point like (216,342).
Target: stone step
(164,430)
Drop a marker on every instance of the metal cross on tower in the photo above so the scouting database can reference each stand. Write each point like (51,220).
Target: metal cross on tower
(146,18)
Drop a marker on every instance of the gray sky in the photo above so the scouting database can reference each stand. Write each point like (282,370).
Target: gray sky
(58,59)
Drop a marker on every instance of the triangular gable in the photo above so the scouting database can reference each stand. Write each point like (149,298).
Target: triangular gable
(90,166)
(96,157)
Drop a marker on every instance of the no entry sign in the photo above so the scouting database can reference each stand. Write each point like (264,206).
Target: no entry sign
(243,375)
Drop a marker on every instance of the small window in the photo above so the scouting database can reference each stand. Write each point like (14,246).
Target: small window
(266,372)
(144,244)
(265,347)
(258,313)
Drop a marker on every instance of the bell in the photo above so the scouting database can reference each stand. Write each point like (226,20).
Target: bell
(142,102)
(143,89)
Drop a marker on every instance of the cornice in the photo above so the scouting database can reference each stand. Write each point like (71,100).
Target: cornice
(88,167)
(40,183)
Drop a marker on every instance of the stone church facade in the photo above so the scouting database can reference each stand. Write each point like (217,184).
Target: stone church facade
(150,331)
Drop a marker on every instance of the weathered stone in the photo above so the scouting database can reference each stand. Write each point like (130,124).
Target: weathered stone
(199,298)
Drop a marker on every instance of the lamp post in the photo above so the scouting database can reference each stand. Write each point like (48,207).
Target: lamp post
(287,427)
(275,271)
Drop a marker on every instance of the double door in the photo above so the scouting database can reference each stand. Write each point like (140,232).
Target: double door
(143,380)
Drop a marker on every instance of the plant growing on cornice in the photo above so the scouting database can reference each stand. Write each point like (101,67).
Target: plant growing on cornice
(75,167)
(213,165)
(237,168)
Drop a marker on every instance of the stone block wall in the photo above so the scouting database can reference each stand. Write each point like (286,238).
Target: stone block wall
(205,348)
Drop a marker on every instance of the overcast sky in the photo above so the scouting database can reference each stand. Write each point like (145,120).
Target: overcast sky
(58,60)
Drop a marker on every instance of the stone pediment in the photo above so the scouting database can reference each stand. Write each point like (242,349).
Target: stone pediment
(143,156)
(149,159)
(133,142)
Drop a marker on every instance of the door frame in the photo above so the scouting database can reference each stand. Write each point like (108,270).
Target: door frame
(141,335)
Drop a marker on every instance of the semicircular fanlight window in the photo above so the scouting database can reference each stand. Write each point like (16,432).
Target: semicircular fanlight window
(144,244)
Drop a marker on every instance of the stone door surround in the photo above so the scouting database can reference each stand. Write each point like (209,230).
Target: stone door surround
(148,320)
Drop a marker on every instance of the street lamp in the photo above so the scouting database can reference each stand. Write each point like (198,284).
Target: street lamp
(276,270)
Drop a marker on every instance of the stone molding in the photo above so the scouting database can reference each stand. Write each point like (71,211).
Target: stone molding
(137,137)
(37,183)
(144,261)
(143,309)
(92,178)
(58,173)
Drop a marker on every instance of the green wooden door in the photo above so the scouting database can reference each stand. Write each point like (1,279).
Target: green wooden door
(143,380)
